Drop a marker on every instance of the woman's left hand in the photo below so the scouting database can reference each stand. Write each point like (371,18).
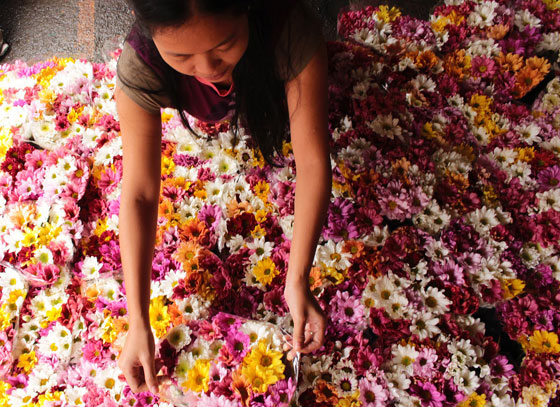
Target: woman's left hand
(308,316)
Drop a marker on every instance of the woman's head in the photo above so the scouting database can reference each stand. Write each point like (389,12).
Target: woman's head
(204,38)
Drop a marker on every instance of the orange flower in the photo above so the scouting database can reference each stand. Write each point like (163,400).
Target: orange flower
(509,61)
(539,64)
(237,208)
(175,314)
(315,279)
(325,393)
(354,247)
(497,32)
(242,388)
(187,252)
(526,79)
(426,59)
(457,63)
(194,229)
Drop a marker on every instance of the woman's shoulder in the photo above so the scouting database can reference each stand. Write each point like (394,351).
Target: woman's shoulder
(139,80)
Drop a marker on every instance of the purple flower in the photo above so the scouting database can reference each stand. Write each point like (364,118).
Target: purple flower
(549,178)
(428,393)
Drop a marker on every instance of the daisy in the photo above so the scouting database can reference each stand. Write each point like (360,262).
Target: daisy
(179,336)
(91,267)
(386,126)
(403,358)
(523,19)
(483,14)
(529,133)
(372,394)
(346,383)
(425,325)
(261,249)
(332,254)
(435,300)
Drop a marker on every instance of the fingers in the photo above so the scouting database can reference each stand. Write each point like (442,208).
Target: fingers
(150,375)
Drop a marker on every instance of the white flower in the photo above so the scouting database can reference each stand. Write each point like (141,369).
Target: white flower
(224,165)
(432,218)
(386,126)
(364,36)
(377,237)
(504,157)
(396,306)
(529,133)
(483,14)
(425,325)
(424,83)
(553,145)
(403,358)
(262,249)
(179,336)
(168,283)
(107,153)
(42,378)
(312,369)
(91,267)
(435,300)
(193,307)
(467,381)
(331,255)
(484,47)
(437,251)
(217,191)
(549,200)
(483,219)
(346,383)
(523,19)
(258,330)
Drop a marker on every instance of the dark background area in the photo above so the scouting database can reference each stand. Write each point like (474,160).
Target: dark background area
(40,29)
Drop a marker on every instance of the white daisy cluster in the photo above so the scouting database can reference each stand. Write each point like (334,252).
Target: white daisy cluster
(483,14)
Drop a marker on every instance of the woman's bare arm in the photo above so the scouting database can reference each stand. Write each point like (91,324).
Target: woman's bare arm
(141,139)
(307,98)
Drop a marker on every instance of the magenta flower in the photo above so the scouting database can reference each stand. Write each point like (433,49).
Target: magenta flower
(428,393)
(549,178)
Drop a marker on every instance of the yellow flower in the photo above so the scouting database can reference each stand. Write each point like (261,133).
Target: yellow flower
(552,4)
(512,288)
(350,401)
(258,232)
(474,400)
(100,227)
(198,377)
(167,166)
(544,342)
(5,318)
(4,387)
(159,317)
(165,117)
(388,15)
(265,271)
(480,103)
(334,276)
(72,116)
(6,142)
(27,361)
(261,190)
(526,154)
(108,329)
(260,215)
(262,367)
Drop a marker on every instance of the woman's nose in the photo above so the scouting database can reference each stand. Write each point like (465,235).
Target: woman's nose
(207,65)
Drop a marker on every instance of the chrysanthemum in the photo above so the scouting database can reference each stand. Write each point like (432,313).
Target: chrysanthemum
(198,377)
(159,317)
(549,178)
(372,394)
(435,300)
(179,336)
(263,366)
(544,342)
(265,271)
(428,393)
(474,400)
(404,357)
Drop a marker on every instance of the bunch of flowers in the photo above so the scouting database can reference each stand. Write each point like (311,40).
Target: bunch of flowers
(438,265)
(226,360)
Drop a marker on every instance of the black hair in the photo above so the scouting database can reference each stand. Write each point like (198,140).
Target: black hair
(260,98)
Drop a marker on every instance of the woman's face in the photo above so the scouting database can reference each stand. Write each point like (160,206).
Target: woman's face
(205,46)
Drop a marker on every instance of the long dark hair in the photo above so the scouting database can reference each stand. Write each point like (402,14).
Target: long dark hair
(260,99)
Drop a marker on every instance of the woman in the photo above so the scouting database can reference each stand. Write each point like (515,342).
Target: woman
(262,63)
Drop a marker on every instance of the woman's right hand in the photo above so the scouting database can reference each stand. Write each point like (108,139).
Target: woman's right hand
(137,359)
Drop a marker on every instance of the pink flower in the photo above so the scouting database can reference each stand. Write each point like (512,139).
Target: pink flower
(428,393)
(484,67)
(549,178)
(371,393)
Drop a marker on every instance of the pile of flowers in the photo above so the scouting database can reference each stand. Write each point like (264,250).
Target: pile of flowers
(438,265)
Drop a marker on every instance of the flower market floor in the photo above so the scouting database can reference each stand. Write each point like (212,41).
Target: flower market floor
(438,265)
